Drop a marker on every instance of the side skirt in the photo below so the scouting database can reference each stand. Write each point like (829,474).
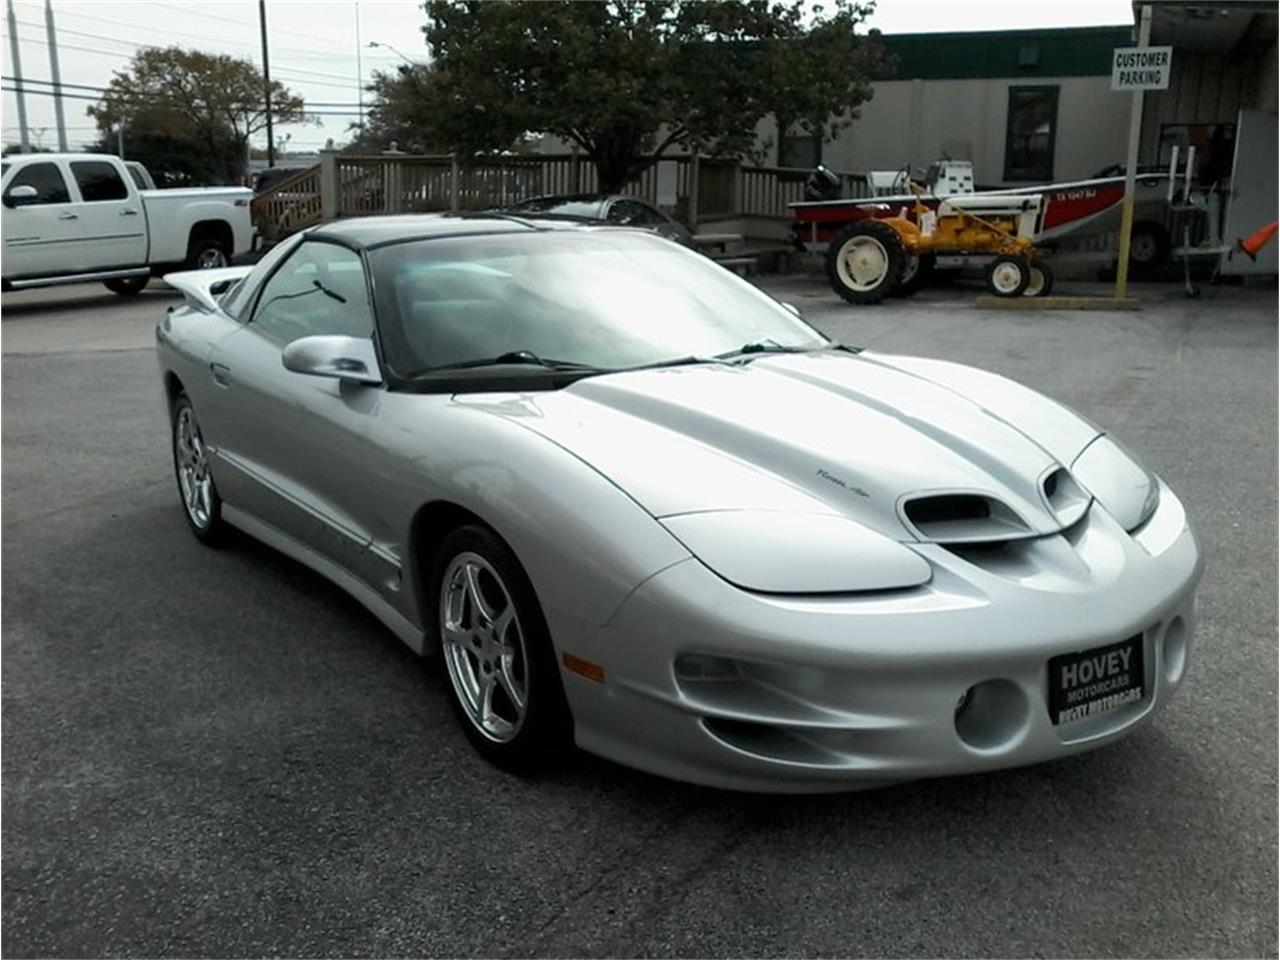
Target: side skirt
(290,547)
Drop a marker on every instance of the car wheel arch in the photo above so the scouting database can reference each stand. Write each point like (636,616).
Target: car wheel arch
(431,524)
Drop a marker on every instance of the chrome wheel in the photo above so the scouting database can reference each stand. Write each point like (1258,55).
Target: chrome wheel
(484,648)
(194,480)
(863,263)
(211,258)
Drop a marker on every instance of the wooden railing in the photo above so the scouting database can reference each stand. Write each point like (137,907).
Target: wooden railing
(347,185)
(292,204)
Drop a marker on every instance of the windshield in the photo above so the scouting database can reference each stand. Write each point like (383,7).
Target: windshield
(605,300)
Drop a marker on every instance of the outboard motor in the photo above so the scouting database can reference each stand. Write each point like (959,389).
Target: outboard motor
(822,184)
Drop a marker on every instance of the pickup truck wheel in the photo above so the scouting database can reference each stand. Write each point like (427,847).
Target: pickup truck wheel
(206,253)
(126,286)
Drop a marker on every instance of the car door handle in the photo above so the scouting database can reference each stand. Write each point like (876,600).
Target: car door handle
(221,374)
(128,213)
(68,216)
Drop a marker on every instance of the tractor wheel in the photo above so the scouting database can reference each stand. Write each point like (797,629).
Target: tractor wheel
(1041,282)
(1008,276)
(864,261)
(916,274)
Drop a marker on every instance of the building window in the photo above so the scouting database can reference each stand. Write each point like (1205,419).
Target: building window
(1029,137)
(801,149)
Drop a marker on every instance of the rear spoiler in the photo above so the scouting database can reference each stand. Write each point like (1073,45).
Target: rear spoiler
(202,288)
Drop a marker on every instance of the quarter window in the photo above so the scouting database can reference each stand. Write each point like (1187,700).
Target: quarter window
(634,213)
(98,181)
(320,289)
(48,181)
(1030,134)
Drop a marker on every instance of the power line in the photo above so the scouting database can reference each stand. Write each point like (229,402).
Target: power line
(153,46)
(125,96)
(147,101)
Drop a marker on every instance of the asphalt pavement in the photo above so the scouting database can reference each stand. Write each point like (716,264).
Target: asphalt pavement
(215,753)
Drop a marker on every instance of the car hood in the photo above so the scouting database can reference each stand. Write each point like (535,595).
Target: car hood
(829,432)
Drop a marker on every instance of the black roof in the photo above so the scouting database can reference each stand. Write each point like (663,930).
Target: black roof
(366,232)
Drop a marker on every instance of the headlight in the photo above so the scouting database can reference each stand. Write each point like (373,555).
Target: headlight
(786,552)
(1118,480)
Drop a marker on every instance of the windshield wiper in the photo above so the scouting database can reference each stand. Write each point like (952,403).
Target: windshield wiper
(755,347)
(512,357)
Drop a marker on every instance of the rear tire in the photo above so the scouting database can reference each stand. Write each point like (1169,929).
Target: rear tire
(1008,276)
(207,252)
(201,504)
(917,272)
(504,681)
(864,261)
(1040,283)
(127,286)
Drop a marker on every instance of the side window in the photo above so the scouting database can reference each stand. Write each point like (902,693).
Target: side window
(98,181)
(631,213)
(318,290)
(237,301)
(47,180)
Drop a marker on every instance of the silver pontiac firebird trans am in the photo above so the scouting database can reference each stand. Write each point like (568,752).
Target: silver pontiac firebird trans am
(635,504)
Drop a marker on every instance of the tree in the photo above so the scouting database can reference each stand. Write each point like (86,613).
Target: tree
(197,109)
(627,80)
(402,113)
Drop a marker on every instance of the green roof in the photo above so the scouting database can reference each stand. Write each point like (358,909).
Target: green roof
(1070,52)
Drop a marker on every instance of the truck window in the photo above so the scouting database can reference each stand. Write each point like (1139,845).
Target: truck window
(137,177)
(48,181)
(98,181)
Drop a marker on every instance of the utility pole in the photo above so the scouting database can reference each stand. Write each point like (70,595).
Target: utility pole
(17,81)
(266,82)
(56,75)
(120,140)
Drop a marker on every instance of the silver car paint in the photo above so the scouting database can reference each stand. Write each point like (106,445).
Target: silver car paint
(579,481)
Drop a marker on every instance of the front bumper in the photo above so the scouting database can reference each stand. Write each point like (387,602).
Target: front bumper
(838,693)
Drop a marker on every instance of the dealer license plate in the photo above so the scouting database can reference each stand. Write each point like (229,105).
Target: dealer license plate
(1094,681)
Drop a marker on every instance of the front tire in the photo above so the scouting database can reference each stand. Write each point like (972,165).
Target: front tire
(1008,276)
(864,261)
(127,286)
(504,683)
(201,504)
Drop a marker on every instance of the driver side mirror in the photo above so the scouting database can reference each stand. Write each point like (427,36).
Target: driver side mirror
(20,195)
(342,358)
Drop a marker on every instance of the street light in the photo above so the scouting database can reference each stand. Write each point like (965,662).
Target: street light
(398,53)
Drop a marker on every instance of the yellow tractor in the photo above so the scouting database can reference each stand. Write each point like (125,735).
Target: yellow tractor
(887,251)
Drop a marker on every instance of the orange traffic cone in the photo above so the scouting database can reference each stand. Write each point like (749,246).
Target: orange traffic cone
(1257,240)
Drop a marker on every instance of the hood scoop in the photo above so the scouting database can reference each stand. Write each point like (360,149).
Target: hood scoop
(962,518)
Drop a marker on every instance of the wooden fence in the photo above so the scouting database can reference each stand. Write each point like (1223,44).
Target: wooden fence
(694,190)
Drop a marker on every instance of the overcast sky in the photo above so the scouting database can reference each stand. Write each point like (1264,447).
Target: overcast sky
(314,45)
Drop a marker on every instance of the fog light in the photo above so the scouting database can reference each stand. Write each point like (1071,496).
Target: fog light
(705,667)
(992,716)
(964,701)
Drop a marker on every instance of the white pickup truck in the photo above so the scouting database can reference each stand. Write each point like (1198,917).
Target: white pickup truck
(79,217)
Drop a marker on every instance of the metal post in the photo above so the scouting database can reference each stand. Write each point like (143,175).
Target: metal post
(56,76)
(120,140)
(18,90)
(266,82)
(1131,166)
(454,199)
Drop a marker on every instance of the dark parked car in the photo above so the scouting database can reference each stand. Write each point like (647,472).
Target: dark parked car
(608,208)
